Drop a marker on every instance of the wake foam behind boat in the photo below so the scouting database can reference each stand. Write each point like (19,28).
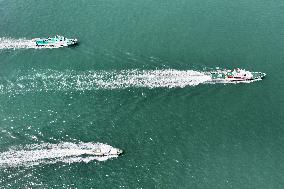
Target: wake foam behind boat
(65,152)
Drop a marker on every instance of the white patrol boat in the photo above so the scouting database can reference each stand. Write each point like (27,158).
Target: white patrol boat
(236,75)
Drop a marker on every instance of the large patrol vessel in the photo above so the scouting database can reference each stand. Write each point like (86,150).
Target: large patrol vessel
(54,42)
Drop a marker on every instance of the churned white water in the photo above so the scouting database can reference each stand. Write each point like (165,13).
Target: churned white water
(50,80)
(22,43)
(47,153)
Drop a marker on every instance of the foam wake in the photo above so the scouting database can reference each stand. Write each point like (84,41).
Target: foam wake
(47,153)
(10,43)
(50,80)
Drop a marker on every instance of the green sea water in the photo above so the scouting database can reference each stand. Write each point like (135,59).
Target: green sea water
(205,136)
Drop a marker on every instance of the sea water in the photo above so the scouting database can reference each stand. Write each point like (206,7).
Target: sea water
(136,82)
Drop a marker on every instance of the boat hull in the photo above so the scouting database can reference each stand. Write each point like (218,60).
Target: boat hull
(55,42)
(223,77)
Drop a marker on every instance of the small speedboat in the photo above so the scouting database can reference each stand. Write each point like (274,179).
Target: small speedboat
(54,42)
(104,150)
(108,152)
(236,75)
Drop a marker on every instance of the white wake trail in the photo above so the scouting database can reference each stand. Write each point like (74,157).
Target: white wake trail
(22,43)
(50,80)
(47,153)
(9,43)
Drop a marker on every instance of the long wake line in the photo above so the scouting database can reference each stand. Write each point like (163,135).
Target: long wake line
(10,43)
(50,80)
(47,153)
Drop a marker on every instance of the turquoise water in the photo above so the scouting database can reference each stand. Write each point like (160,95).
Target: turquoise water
(203,136)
